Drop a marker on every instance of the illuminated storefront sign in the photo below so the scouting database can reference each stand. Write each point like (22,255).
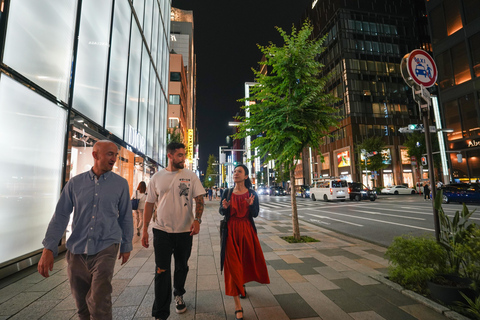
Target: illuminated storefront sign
(343,159)
(190,144)
(386,156)
(473,143)
(404,155)
(135,139)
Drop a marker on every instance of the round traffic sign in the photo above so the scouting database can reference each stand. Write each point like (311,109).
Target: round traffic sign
(422,68)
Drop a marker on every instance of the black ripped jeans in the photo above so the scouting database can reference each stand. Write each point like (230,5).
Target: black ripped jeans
(165,244)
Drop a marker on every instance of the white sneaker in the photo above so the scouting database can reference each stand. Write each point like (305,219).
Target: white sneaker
(180,306)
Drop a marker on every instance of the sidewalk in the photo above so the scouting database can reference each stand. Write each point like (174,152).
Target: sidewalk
(337,278)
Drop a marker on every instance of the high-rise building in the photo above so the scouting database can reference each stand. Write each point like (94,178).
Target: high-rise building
(182,43)
(73,73)
(455,30)
(364,47)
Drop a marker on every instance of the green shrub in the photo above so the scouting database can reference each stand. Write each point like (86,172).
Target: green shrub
(414,260)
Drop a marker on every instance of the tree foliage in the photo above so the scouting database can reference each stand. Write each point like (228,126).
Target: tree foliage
(291,109)
(416,146)
(211,172)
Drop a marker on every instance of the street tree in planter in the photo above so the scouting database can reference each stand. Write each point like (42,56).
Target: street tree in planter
(291,109)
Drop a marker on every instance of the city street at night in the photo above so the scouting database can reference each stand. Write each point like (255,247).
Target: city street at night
(375,221)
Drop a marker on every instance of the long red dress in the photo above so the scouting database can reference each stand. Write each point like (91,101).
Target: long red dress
(244,260)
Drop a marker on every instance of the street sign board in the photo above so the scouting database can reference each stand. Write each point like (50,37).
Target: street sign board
(422,68)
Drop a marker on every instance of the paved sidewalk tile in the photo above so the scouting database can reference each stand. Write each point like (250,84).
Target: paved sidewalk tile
(338,278)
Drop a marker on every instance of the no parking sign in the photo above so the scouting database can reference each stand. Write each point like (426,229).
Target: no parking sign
(422,68)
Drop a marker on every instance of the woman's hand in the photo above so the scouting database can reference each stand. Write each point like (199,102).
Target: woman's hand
(225,204)
(250,199)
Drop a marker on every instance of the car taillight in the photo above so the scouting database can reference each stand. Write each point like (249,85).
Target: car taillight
(349,190)
(331,191)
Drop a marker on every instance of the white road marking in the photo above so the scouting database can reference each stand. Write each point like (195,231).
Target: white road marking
(375,220)
(343,221)
(389,215)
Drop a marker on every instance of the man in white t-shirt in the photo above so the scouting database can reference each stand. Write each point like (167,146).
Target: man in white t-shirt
(173,189)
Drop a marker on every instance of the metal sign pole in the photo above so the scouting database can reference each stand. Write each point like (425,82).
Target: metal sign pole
(431,173)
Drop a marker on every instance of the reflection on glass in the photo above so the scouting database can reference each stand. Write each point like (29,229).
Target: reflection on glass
(39,42)
(31,168)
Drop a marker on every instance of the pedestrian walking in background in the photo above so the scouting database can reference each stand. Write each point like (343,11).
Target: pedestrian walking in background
(102,222)
(141,195)
(241,253)
(426,192)
(210,193)
(221,192)
(174,189)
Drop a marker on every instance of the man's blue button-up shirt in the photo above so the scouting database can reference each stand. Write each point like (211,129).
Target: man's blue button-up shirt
(102,214)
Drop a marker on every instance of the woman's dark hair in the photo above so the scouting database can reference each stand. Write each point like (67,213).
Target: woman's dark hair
(248,182)
(142,187)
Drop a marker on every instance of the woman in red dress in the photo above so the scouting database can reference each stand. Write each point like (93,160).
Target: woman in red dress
(241,254)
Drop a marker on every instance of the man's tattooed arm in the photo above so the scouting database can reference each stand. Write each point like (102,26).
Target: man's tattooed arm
(199,207)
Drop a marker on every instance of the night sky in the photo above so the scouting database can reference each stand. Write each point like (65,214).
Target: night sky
(226,36)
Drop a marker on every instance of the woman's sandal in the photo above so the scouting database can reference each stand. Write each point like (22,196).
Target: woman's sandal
(243,296)
(237,311)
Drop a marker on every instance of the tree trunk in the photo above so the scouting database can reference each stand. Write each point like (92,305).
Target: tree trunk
(296,228)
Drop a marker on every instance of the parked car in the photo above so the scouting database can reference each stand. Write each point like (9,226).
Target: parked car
(358,191)
(461,192)
(263,190)
(400,189)
(329,189)
(302,191)
(277,191)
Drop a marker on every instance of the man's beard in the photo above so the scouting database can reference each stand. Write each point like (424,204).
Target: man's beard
(178,165)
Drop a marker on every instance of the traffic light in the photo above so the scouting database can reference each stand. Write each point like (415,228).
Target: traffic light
(415,127)
(209,178)
(235,163)
(424,161)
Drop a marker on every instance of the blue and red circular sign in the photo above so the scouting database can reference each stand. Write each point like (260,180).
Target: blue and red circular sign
(422,68)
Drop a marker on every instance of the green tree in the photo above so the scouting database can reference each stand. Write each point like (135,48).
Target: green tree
(416,147)
(211,175)
(374,162)
(292,111)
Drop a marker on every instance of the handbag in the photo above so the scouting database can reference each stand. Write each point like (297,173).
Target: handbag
(135,202)
(223,222)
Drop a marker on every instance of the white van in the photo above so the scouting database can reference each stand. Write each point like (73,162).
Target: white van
(329,189)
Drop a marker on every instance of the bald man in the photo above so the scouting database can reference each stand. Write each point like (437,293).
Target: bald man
(102,226)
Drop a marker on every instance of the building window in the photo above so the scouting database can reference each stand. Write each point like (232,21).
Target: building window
(445,73)
(461,69)
(472,10)
(475,51)
(173,122)
(175,76)
(452,120)
(174,99)
(452,16)
(470,116)
(439,29)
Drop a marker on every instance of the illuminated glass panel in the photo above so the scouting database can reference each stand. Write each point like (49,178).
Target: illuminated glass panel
(117,80)
(39,41)
(31,168)
(92,57)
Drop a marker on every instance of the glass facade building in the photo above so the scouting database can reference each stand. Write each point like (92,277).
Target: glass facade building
(364,47)
(73,73)
(455,29)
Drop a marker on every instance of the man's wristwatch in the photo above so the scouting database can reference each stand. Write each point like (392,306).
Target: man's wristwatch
(199,220)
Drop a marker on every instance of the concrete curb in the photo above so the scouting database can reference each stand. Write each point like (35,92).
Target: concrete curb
(421,299)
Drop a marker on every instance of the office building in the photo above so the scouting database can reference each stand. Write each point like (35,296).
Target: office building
(364,47)
(455,30)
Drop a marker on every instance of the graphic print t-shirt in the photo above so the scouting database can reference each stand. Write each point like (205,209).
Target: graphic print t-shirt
(174,208)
